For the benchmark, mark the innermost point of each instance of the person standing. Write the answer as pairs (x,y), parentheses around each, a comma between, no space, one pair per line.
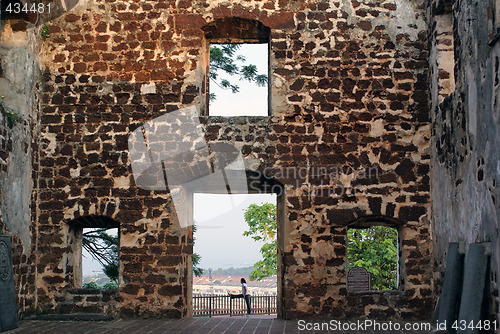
(244,294)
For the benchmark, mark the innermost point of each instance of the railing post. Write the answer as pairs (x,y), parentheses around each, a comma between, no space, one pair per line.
(210,306)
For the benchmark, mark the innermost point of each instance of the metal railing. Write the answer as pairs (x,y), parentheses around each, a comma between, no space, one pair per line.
(213,305)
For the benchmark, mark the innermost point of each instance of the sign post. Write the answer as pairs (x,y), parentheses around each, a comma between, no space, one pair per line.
(8,309)
(358,280)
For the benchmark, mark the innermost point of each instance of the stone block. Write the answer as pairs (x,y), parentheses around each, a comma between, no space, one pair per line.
(447,307)
(475,268)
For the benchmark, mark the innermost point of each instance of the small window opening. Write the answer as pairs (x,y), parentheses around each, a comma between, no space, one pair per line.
(100,248)
(494,19)
(238,79)
(374,249)
(445,54)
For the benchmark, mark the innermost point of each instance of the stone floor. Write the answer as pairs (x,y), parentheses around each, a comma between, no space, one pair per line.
(227,325)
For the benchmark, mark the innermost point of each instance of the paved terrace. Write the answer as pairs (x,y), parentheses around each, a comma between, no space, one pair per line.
(226,325)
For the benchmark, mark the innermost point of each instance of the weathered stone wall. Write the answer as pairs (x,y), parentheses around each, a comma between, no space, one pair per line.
(349,91)
(466,152)
(90,301)
(19,71)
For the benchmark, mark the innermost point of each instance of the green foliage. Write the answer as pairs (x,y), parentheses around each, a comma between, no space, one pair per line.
(45,31)
(9,116)
(197,271)
(268,265)
(111,270)
(110,286)
(261,220)
(375,249)
(223,58)
(90,285)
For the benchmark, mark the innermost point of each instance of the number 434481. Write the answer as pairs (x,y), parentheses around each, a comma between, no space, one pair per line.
(17,8)
(480,325)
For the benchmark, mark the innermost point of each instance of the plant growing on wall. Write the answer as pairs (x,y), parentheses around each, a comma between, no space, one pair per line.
(90,285)
(9,116)
(261,220)
(44,31)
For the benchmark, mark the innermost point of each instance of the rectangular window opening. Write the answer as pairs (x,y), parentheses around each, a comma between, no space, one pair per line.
(238,80)
(373,259)
(100,250)
(445,54)
(495,19)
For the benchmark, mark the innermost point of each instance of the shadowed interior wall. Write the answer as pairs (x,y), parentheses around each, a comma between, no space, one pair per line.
(19,83)
(465,167)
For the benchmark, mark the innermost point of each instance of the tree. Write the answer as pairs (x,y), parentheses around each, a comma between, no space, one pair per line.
(223,58)
(197,271)
(375,249)
(261,220)
(103,247)
(242,272)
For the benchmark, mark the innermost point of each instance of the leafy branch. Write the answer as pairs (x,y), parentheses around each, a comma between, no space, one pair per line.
(223,58)
(104,249)
(261,221)
(197,271)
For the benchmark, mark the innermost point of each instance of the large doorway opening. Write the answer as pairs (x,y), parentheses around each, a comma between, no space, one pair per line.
(235,237)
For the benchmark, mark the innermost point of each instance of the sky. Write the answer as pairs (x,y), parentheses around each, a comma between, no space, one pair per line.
(219,238)
(251,100)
